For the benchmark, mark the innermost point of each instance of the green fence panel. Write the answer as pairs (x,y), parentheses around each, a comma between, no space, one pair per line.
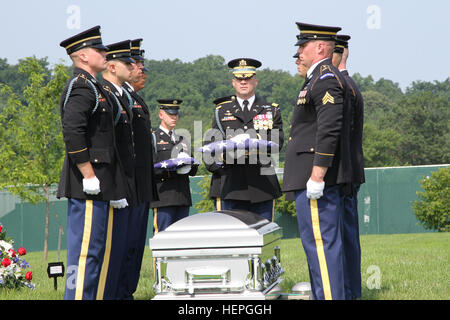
(385,200)
(385,207)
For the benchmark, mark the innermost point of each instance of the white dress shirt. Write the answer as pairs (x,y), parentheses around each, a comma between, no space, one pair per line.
(167,132)
(311,69)
(118,88)
(250,102)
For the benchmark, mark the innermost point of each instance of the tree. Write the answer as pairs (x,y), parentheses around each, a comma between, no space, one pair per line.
(433,207)
(206,204)
(422,118)
(31,151)
(380,146)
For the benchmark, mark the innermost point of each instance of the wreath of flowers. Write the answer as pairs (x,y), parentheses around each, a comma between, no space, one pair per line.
(13,267)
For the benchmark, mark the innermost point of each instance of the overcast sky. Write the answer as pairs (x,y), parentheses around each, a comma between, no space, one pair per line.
(399,40)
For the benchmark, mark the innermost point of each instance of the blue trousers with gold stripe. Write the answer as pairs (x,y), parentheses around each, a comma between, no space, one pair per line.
(136,240)
(87,222)
(265,209)
(352,247)
(165,216)
(320,226)
(218,203)
(115,251)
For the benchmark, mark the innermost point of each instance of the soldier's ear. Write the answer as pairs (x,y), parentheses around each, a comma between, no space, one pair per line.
(112,67)
(82,55)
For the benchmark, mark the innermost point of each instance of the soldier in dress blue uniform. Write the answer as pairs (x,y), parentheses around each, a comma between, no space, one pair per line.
(92,174)
(173,186)
(352,247)
(214,188)
(146,190)
(317,161)
(120,65)
(247,183)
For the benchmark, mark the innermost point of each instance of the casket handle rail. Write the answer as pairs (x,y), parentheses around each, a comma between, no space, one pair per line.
(219,276)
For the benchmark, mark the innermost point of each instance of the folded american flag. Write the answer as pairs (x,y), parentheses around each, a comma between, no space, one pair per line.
(229,145)
(175,163)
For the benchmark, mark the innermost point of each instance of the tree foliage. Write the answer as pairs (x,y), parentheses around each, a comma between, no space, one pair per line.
(31,149)
(433,205)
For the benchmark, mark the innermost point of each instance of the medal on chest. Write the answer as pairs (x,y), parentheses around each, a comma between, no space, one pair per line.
(302,97)
(263,121)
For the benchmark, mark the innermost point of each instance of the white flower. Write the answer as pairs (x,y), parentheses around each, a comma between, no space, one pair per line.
(6,245)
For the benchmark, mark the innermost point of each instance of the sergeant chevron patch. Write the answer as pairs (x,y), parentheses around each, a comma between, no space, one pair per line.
(327,98)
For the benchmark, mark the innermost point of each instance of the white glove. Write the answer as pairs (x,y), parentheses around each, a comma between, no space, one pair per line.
(314,190)
(118,204)
(240,137)
(91,185)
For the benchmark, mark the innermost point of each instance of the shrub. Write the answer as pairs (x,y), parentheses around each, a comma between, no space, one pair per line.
(433,206)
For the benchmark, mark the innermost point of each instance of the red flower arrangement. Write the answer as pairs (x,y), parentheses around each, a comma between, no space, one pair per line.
(12,268)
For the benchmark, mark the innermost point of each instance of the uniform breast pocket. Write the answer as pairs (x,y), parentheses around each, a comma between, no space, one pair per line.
(100,155)
(305,113)
(138,113)
(304,142)
(105,118)
(164,151)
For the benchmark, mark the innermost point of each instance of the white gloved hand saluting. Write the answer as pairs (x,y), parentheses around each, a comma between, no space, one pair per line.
(314,190)
(91,185)
(118,204)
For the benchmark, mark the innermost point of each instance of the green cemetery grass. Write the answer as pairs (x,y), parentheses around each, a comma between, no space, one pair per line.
(411,266)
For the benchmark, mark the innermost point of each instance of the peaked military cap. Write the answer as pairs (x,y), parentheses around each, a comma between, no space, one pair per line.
(341,43)
(144,69)
(315,32)
(171,106)
(136,52)
(120,51)
(244,67)
(222,100)
(88,38)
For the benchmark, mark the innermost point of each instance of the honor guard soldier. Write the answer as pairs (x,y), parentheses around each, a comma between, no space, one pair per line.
(146,190)
(247,185)
(173,186)
(341,43)
(214,188)
(352,247)
(318,159)
(120,65)
(92,174)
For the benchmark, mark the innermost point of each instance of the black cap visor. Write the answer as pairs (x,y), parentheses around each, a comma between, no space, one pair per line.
(172,111)
(99,46)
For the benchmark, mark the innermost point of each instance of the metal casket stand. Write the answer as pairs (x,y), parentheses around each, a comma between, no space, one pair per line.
(218,255)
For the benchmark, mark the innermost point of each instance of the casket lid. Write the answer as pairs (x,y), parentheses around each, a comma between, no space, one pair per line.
(216,229)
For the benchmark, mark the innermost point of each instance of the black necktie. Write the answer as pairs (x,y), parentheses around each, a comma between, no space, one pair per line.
(246,110)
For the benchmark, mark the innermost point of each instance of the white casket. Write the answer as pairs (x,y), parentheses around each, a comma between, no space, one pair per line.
(218,255)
